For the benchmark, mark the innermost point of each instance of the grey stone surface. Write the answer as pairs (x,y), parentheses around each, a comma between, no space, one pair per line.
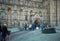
(38,36)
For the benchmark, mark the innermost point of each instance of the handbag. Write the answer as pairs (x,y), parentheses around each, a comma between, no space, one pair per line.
(8,33)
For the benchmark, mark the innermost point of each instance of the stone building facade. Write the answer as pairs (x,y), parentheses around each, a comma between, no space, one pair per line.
(15,13)
(53,11)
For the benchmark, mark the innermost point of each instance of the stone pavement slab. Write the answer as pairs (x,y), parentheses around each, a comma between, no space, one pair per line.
(13,29)
(38,36)
(13,36)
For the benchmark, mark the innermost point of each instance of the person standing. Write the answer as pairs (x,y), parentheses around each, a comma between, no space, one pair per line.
(30,27)
(42,26)
(25,26)
(4,32)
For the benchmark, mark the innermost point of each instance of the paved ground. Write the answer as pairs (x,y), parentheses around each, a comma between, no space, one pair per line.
(35,36)
(13,29)
(13,36)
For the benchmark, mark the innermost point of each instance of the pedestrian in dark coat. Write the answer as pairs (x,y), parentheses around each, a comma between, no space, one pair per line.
(4,32)
(35,24)
(25,26)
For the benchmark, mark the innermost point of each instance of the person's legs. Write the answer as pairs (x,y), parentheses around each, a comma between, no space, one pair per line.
(3,38)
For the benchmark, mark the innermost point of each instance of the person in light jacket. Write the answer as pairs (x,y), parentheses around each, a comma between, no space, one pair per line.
(42,26)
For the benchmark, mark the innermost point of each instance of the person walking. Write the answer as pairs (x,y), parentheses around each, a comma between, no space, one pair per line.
(4,32)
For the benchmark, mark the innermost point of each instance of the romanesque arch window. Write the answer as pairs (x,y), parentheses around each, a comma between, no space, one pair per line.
(3,1)
(0,6)
(31,4)
(8,1)
(13,1)
(9,9)
(26,17)
(19,0)
(21,10)
(40,12)
(15,7)
(3,15)
(39,5)
(15,16)
(31,11)
(24,3)
(3,6)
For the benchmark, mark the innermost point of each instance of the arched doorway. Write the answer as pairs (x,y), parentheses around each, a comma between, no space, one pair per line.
(37,18)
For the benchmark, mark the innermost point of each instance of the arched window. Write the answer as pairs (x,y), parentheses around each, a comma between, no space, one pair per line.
(9,9)
(0,6)
(3,15)
(8,0)
(3,6)
(15,16)
(13,1)
(15,7)
(31,11)
(3,1)
(24,3)
(21,10)
(31,4)
(26,17)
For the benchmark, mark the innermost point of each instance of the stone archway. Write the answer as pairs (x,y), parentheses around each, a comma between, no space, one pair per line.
(37,18)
